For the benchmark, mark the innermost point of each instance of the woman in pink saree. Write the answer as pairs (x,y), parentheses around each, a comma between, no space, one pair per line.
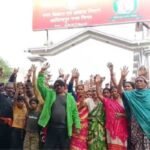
(116,122)
(79,141)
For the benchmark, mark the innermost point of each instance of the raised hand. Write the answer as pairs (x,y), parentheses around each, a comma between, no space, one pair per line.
(110,66)
(99,79)
(98,82)
(29,73)
(124,72)
(142,71)
(66,77)
(91,80)
(16,70)
(45,67)
(75,73)
(33,68)
(61,73)
(81,82)
(86,85)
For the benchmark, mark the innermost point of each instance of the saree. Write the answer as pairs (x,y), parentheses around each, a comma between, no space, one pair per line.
(97,134)
(79,141)
(139,103)
(116,128)
(137,106)
(138,140)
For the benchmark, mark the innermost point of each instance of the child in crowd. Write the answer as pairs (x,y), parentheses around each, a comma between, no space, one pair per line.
(34,105)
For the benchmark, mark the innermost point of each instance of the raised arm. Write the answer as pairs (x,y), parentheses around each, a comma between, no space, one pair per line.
(77,78)
(91,81)
(48,78)
(98,83)
(41,80)
(112,74)
(16,93)
(26,99)
(124,73)
(13,76)
(73,79)
(28,80)
(61,74)
(35,89)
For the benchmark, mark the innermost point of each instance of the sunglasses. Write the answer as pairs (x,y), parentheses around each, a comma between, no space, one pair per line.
(57,85)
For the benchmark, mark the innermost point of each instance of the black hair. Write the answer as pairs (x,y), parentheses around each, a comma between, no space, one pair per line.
(106,89)
(129,82)
(112,88)
(33,100)
(59,82)
(20,98)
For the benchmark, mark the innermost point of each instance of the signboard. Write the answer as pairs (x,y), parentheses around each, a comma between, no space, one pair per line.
(56,14)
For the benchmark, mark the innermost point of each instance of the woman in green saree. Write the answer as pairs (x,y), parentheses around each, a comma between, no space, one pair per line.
(97,134)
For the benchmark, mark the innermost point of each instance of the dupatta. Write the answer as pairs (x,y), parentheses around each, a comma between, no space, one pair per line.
(139,103)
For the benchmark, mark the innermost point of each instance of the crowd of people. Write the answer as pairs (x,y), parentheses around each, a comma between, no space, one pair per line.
(75,115)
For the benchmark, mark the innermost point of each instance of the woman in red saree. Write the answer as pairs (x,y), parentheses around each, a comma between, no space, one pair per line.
(79,141)
(116,122)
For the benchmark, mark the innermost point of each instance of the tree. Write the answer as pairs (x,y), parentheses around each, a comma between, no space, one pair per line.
(5,70)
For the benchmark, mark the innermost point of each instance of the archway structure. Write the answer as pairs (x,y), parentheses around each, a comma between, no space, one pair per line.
(141,50)
(89,34)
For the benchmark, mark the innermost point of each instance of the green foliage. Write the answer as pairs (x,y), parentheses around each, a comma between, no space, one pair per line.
(6,70)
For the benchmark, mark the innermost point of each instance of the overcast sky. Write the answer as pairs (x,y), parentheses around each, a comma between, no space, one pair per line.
(90,57)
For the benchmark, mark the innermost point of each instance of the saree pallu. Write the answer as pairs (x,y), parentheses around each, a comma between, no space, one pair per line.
(97,134)
(79,141)
(116,128)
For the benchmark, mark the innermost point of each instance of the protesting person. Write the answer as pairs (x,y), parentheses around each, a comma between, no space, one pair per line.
(59,113)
